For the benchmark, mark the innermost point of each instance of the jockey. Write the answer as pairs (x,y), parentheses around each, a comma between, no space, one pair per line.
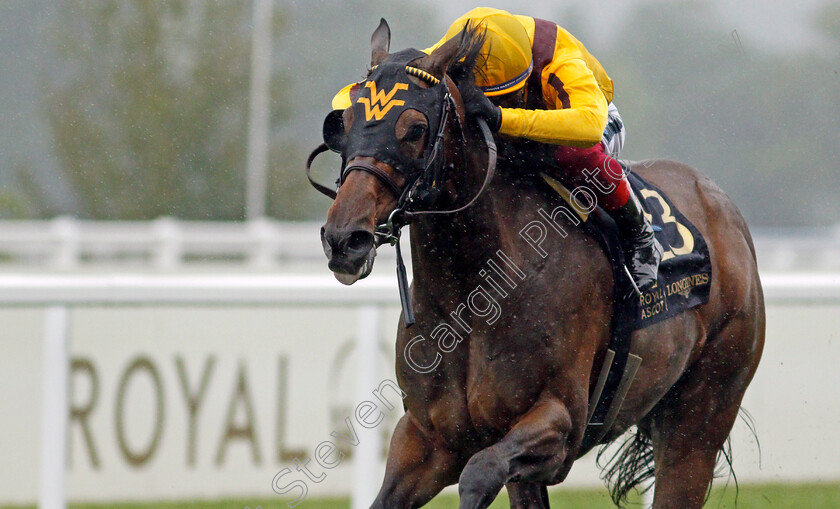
(567,99)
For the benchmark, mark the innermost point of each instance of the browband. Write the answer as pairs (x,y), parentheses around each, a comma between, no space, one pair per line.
(420,73)
(423,75)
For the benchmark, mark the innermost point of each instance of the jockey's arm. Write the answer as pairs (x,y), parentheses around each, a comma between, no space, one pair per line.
(580,113)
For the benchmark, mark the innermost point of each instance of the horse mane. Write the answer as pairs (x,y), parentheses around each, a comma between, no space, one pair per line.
(469,58)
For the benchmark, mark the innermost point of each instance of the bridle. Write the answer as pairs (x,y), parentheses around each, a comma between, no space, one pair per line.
(420,190)
(435,164)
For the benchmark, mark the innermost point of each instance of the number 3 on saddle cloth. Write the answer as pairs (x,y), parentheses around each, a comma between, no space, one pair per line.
(685,274)
(684,280)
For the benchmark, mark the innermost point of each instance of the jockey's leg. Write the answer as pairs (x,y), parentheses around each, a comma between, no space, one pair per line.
(603,175)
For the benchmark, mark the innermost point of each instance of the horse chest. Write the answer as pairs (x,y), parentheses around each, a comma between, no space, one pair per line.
(461,408)
(500,388)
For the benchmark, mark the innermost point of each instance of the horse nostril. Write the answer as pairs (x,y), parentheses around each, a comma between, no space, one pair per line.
(360,241)
(326,244)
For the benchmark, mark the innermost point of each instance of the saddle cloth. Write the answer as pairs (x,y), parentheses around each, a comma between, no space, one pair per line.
(684,280)
(685,274)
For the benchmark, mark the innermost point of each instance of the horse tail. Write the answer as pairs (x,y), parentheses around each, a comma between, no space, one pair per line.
(631,465)
(628,467)
(723,463)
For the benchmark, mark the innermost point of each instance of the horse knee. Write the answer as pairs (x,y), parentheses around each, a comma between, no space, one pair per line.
(538,446)
(482,479)
(536,449)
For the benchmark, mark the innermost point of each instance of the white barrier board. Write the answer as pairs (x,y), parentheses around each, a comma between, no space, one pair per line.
(185,402)
(173,402)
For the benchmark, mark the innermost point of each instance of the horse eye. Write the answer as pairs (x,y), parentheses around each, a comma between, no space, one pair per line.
(415,132)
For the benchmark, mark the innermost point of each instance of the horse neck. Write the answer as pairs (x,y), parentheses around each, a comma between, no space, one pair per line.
(452,251)
(450,245)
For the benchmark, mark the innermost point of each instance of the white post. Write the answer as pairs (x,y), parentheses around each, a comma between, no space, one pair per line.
(66,231)
(258,117)
(366,456)
(263,252)
(54,417)
(167,252)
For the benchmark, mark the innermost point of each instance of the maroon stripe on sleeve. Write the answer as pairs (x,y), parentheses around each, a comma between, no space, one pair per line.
(545,38)
(555,82)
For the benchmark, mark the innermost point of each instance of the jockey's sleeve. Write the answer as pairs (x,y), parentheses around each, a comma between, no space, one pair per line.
(577,113)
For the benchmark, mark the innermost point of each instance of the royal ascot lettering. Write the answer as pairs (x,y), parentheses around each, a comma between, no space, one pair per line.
(653,302)
(330,453)
(197,384)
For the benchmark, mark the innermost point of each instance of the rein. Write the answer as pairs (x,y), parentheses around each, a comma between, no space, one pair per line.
(402,215)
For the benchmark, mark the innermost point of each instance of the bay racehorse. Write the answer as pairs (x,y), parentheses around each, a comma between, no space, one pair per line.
(506,402)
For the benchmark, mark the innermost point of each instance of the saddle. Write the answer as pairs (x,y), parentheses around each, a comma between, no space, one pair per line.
(684,280)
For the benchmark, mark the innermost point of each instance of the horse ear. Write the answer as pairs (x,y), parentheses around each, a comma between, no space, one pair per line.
(380,41)
(439,60)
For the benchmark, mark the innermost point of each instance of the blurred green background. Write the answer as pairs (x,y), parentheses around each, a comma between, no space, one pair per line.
(134,109)
(811,496)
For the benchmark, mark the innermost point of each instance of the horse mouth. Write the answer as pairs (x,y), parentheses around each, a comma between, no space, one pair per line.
(348,276)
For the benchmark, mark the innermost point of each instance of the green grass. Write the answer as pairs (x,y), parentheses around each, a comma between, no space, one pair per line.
(775,496)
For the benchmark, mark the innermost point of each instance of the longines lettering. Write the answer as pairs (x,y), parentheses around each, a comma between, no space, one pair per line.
(685,285)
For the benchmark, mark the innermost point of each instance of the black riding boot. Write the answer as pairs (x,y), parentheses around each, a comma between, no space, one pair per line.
(642,251)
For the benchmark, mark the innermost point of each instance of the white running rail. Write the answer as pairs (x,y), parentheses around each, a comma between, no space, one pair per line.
(166,244)
(60,294)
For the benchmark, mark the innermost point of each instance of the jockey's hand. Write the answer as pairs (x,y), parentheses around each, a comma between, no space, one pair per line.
(477,104)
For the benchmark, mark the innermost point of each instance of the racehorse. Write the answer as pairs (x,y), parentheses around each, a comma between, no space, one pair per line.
(504,401)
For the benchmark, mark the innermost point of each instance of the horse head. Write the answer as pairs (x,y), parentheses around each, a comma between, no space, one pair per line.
(398,139)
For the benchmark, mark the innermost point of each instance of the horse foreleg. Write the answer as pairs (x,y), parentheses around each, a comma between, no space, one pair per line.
(526,495)
(416,470)
(534,450)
